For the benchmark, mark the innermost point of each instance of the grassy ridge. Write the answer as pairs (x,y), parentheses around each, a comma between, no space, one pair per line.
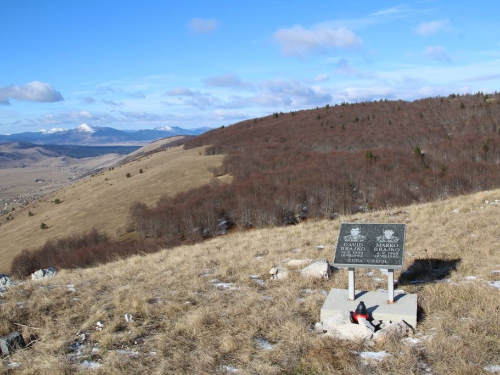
(184,323)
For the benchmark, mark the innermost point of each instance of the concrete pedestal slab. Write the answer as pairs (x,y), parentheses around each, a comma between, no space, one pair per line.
(403,308)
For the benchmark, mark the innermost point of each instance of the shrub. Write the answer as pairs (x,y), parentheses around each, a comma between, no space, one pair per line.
(43,226)
(128,175)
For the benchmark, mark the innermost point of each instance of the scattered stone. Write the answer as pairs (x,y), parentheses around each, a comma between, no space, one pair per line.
(298,263)
(44,273)
(342,327)
(317,270)
(10,343)
(129,318)
(99,326)
(373,357)
(279,273)
(389,329)
(71,288)
(366,323)
(5,282)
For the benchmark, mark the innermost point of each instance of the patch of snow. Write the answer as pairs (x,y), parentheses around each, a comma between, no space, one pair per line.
(223,286)
(130,353)
(84,128)
(51,131)
(262,343)
(456,211)
(492,368)
(259,258)
(164,128)
(320,247)
(90,365)
(494,284)
(230,369)
(369,273)
(258,280)
(471,278)
(71,288)
(495,271)
(14,365)
(384,271)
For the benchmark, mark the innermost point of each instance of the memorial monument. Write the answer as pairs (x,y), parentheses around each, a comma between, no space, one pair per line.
(371,246)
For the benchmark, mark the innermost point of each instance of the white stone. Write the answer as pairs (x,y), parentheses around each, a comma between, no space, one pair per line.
(318,270)
(351,332)
(279,273)
(43,273)
(298,263)
(129,318)
(366,323)
(399,329)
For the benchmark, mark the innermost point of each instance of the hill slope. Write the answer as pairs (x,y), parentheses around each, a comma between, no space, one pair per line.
(199,309)
(103,200)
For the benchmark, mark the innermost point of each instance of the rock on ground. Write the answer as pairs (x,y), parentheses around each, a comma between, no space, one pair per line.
(279,273)
(399,330)
(298,263)
(341,327)
(10,343)
(317,270)
(43,273)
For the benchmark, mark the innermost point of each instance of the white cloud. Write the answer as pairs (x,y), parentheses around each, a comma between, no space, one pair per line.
(433,27)
(437,53)
(322,78)
(344,68)
(203,26)
(298,41)
(32,92)
(112,103)
(181,91)
(224,80)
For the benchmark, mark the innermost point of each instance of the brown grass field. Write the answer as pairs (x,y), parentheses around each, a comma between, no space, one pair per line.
(103,200)
(184,323)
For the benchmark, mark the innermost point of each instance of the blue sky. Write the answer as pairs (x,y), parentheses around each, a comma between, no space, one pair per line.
(143,64)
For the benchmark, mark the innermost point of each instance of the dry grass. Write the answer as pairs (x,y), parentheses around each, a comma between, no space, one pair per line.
(103,201)
(184,324)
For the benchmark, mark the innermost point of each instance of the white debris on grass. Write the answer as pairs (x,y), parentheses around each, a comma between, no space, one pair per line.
(14,365)
(259,258)
(493,368)
(320,247)
(456,211)
(129,318)
(99,326)
(262,343)
(384,271)
(495,271)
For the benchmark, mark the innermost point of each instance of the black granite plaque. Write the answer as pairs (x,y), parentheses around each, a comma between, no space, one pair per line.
(370,246)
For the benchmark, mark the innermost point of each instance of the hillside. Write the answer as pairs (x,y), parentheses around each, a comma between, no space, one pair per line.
(103,200)
(203,309)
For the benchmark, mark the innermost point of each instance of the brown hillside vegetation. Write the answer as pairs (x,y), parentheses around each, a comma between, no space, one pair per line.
(342,159)
(186,322)
(103,200)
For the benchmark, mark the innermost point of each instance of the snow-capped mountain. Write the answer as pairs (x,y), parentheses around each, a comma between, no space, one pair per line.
(86,134)
(51,131)
(84,128)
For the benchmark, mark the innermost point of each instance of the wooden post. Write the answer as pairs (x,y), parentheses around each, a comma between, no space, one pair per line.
(351,284)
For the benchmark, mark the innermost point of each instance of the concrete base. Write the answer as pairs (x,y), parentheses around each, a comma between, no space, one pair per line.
(403,308)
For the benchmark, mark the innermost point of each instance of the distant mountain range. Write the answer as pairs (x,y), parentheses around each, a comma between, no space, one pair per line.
(94,135)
